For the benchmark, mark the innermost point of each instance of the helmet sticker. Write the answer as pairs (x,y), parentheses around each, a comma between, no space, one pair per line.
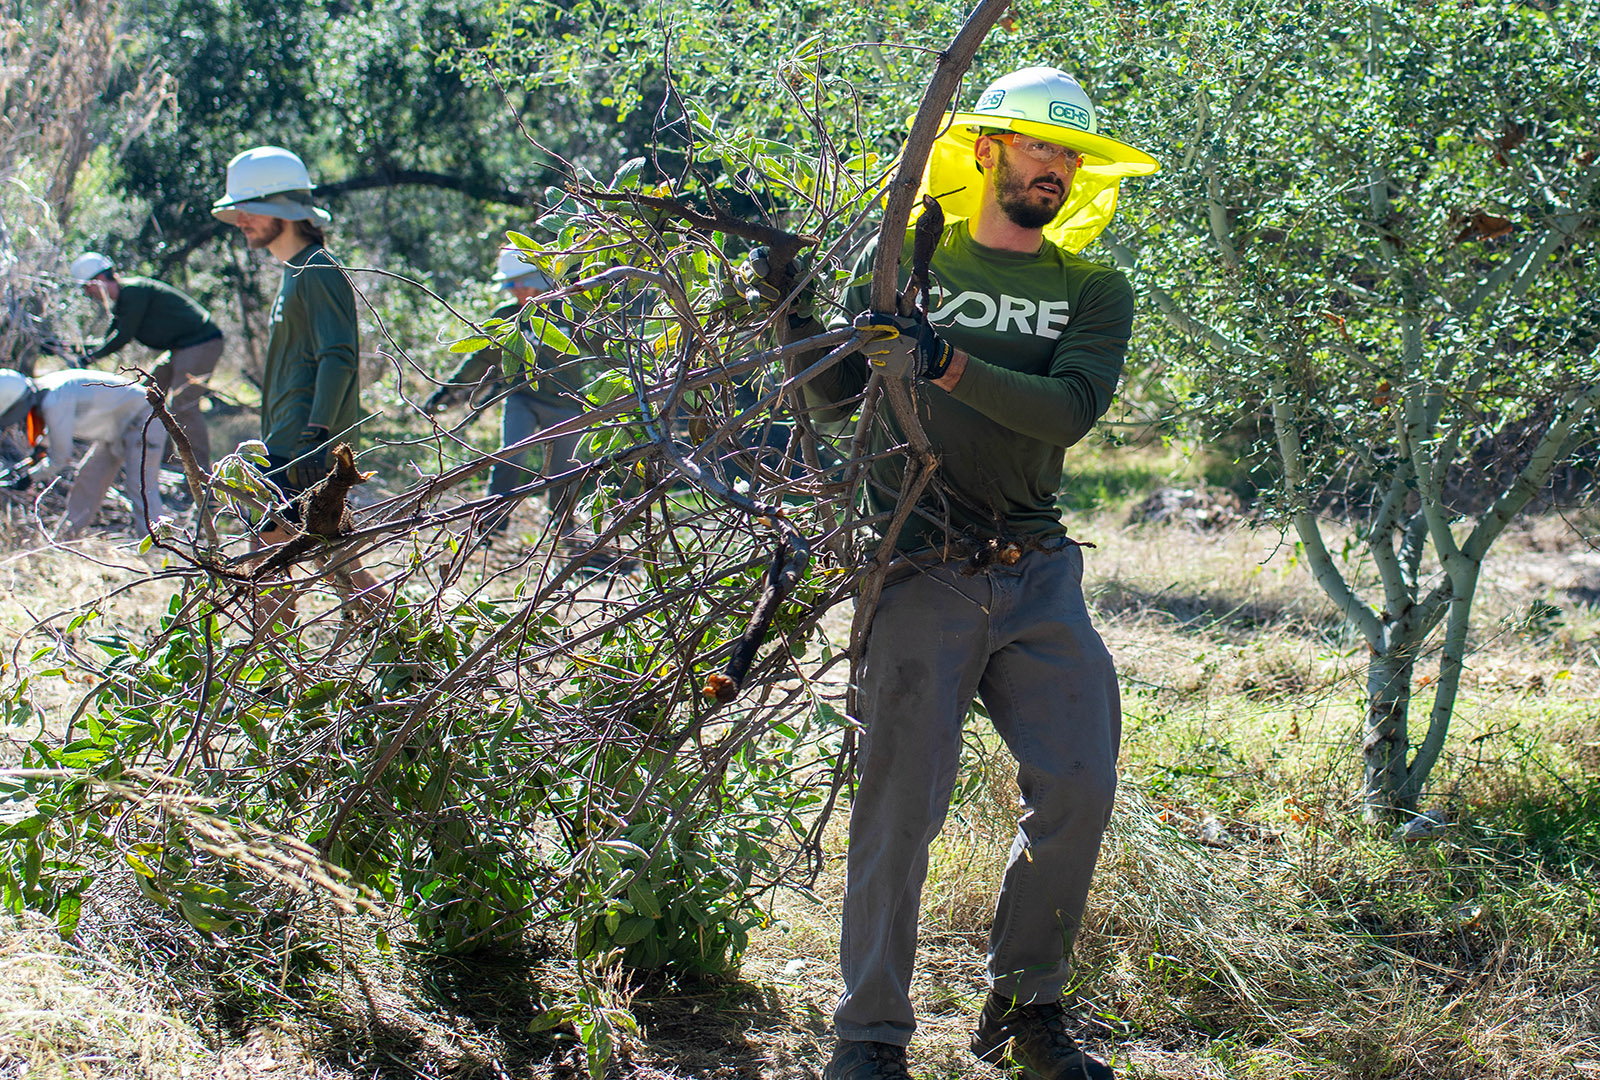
(1065,112)
(991,100)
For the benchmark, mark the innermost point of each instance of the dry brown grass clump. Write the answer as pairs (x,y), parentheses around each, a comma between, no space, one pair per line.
(67,1014)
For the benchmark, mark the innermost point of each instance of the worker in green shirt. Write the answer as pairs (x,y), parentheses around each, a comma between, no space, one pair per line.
(167,320)
(310,383)
(1016,358)
(534,399)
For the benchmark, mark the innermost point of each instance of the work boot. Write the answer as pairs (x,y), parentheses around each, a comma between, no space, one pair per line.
(1035,1039)
(866,1061)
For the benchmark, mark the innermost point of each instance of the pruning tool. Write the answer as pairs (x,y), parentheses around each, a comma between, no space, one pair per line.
(18,474)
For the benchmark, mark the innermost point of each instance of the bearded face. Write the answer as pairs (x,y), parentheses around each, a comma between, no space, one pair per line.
(259,230)
(1029,194)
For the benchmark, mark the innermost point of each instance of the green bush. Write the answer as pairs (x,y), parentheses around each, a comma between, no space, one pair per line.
(198,759)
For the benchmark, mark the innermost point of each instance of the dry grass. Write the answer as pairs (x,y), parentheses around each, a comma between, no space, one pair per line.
(67,1014)
(41,578)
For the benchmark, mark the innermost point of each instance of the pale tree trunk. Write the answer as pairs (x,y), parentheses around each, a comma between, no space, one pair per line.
(1386,742)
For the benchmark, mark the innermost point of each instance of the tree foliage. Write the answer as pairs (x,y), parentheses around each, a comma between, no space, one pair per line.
(1379,240)
(419,165)
(57,61)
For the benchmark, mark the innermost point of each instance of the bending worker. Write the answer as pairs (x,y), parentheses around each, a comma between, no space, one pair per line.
(310,384)
(109,412)
(1017,358)
(534,397)
(163,318)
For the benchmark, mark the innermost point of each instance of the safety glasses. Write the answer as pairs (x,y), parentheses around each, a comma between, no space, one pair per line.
(1037,149)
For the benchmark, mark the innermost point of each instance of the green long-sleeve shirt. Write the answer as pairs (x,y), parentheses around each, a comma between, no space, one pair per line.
(1046,335)
(312,373)
(155,315)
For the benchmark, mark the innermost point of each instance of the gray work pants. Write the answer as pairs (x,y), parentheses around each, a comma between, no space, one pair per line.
(183,376)
(136,453)
(523,416)
(1020,636)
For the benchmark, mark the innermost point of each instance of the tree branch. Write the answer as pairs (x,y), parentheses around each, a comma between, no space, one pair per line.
(1390,565)
(925,128)
(1552,446)
(485,190)
(179,255)
(1532,254)
(1451,664)
(1305,523)
(784,245)
(1127,259)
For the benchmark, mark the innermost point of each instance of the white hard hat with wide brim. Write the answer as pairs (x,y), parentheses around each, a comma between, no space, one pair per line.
(272,181)
(514,269)
(952,173)
(288,205)
(88,266)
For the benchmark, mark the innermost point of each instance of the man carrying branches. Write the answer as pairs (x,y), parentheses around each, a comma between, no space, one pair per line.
(1017,359)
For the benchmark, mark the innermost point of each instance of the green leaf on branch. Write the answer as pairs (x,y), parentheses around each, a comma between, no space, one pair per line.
(547,333)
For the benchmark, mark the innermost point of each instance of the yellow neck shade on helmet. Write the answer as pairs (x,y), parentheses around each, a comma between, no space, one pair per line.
(1046,104)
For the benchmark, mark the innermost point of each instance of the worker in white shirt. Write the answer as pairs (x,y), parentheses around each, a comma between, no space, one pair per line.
(107,411)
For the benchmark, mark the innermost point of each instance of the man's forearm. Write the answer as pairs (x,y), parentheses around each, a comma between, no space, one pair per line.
(114,342)
(791,329)
(1057,409)
(953,373)
(825,394)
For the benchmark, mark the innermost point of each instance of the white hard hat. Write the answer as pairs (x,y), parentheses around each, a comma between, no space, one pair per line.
(514,269)
(272,181)
(1047,104)
(17,394)
(88,266)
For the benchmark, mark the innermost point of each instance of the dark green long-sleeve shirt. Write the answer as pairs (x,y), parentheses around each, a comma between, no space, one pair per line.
(312,372)
(1046,334)
(155,315)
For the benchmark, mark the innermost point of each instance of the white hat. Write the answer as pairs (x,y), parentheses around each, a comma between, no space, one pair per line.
(18,394)
(514,269)
(272,181)
(1047,104)
(88,266)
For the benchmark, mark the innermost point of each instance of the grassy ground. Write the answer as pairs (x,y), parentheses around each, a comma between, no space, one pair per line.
(1245,923)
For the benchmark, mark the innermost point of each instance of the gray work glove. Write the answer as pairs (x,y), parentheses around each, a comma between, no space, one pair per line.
(764,285)
(907,347)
